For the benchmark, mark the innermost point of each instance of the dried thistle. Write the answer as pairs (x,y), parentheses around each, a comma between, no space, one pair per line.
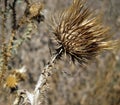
(11,82)
(33,11)
(14,78)
(79,33)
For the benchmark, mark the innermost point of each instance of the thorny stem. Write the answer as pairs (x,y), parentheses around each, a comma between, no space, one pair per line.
(42,81)
(14,21)
(14,14)
(4,66)
(45,71)
(3,22)
(14,27)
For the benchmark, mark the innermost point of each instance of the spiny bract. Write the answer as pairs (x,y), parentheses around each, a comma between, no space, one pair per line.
(79,33)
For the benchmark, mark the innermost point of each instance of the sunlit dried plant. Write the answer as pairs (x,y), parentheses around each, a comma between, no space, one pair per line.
(14,78)
(33,11)
(11,82)
(79,33)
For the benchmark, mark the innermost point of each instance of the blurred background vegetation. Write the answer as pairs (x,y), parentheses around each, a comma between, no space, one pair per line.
(96,84)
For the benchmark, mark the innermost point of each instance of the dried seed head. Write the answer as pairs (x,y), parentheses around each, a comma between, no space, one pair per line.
(79,33)
(33,12)
(35,8)
(14,78)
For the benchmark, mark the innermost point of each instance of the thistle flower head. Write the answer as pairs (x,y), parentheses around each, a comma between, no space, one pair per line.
(14,78)
(11,82)
(79,33)
(34,9)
